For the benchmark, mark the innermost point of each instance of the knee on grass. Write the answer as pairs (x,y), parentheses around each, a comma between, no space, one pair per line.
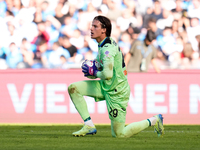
(117,130)
(118,135)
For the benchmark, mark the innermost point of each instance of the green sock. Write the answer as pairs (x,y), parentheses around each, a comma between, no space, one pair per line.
(87,119)
(80,105)
(135,128)
(149,122)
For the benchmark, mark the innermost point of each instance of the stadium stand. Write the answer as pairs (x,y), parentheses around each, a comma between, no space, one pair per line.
(30,29)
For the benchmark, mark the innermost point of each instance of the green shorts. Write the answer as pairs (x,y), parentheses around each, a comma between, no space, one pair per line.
(116,102)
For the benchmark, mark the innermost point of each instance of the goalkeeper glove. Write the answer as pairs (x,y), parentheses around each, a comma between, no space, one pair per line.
(89,68)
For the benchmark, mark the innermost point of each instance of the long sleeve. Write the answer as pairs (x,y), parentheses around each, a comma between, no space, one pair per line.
(107,72)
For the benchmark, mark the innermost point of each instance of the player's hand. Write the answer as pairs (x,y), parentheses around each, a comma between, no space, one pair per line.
(89,68)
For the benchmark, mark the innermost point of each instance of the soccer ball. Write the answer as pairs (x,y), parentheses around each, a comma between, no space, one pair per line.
(92,64)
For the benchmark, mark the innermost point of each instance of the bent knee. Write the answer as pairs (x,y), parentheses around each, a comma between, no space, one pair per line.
(72,89)
(119,135)
(118,129)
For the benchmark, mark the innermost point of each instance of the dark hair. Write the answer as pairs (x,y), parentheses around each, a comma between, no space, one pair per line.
(156,1)
(152,19)
(62,56)
(188,50)
(12,43)
(42,41)
(57,43)
(175,21)
(80,10)
(150,35)
(45,2)
(65,37)
(10,12)
(24,39)
(40,22)
(105,23)
(136,30)
(167,28)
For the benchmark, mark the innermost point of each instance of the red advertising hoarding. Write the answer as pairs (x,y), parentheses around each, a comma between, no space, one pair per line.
(41,96)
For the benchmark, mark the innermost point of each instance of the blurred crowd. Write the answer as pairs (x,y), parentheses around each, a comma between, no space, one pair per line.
(56,33)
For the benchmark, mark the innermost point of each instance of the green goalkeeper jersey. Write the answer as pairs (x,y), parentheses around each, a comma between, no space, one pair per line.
(113,75)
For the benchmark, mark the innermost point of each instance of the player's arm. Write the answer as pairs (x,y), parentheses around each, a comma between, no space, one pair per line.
(107,72)
(154,63)
(90,70)
(130,53)
(153,60)
(108,63)
(127,58)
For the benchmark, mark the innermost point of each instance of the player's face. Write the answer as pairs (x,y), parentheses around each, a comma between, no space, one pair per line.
(97,32)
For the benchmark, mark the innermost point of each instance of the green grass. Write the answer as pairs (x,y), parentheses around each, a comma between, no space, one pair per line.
(58,137)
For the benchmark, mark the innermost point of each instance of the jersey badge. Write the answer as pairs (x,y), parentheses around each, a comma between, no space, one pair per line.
(107,54)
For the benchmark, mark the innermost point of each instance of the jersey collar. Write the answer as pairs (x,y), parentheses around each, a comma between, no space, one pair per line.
(101,43)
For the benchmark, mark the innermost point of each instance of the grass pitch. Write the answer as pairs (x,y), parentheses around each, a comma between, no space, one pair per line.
(58,137)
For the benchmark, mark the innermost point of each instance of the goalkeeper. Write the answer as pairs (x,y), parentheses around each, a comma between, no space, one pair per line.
(113,86)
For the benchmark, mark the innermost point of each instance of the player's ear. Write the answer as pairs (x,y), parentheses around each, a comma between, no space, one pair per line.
(103,30)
